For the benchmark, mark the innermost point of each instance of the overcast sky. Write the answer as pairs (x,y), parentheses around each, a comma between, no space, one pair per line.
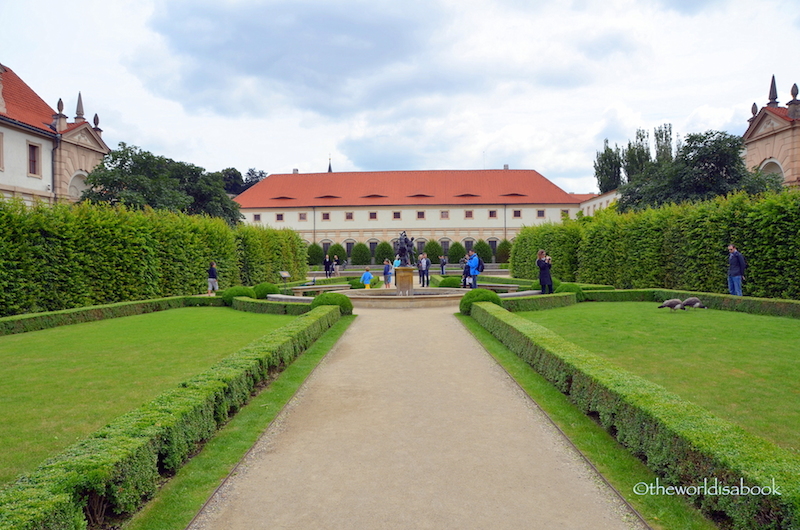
(388,85)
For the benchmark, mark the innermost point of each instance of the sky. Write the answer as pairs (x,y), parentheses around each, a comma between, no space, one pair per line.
(384,85)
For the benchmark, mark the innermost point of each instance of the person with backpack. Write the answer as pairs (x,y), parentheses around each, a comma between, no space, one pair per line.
(475,267)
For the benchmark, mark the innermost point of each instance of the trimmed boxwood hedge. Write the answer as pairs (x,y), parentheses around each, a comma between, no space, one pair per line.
(263,306)
(477,295)
(538,302)
(680,441)
(118,467)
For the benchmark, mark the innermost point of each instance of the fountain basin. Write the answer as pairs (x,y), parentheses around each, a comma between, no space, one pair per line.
(389,299)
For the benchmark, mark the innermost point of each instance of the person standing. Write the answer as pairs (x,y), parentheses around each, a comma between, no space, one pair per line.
(366,278)
(424,265)
(545,280)
(387,273)
(442,263)
(472,264)
(213,285)
(328,264)
(336,264)
(465,277)
(736,267)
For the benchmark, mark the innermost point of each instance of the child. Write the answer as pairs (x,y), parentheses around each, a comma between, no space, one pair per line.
(387,273)
(366,278)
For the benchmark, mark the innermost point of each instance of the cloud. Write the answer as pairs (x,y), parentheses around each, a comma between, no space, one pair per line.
(688,7)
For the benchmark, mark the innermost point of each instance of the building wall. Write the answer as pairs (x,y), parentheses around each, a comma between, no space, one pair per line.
(15,181)
(76,158)
(598,203)
(781,147)
(432,226)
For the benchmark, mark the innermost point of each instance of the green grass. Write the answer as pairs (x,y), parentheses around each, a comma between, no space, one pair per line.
(182,497)
(741,367)
(61,384)
(616,464)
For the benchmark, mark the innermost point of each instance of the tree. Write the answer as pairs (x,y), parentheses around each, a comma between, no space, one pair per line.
(433,249)
(315,254)
(233,181)
(483,250)
(360,254)
(636,156)
(337,250)
(456,252)
(663,138)
(608,168)
(253,177)
(137,178)
(503,251)
(384,251)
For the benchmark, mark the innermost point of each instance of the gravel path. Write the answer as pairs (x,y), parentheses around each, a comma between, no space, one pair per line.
(408,423)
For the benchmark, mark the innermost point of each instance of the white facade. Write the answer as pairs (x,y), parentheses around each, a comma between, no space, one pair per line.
(26,164)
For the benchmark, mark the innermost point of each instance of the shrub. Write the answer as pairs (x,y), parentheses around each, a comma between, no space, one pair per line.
(503,253)
(383,251)
(315,254)
(238,290)
(572,288)
(456,252)
(360,254)
(478,295)
(483,250)
(337,250)
(450,281)
(433,249)
(344,303)
(263,289)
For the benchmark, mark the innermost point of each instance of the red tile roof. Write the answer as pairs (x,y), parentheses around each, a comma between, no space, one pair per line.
(399,188)
(22,103)
(781,112)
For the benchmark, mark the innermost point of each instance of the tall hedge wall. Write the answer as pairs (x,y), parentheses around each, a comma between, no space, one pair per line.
(65,256)
(676,246)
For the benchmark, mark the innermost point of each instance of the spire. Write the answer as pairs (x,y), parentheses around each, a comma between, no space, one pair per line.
(79,111)
(330,170)
(773,94)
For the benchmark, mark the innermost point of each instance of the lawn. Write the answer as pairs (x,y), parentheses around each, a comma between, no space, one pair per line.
(61,384)
(743,368)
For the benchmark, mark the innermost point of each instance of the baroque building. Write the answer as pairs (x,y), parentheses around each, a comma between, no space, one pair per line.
(43,156)
(438,205)
(772,140)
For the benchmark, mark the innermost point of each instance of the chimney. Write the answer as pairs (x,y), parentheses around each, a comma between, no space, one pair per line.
(505,166)
(2,101)
(295,171)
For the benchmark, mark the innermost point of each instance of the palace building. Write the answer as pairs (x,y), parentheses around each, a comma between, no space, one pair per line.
(440,205)
(772,140)
(43,156)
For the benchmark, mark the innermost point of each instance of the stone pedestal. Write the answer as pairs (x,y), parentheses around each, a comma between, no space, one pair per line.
(404,280)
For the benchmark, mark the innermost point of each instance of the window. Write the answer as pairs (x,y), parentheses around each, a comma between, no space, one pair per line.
(421,214)
(325,246)
(420,246)
(492,214)
(493,246)
(326,216)
(467,214)
(348,216)
(565,213)
(517,214)
(444,214)
(468,244)
(278,217)
(445,246)
(256,217)
(373,216)
(302,216)
(34,160)
(396,215)
(349,245)
(372,246)
(540,214)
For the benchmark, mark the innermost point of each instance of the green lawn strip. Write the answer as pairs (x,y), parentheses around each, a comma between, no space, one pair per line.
(179,500)
(741,367)
(616,464)
(61,384)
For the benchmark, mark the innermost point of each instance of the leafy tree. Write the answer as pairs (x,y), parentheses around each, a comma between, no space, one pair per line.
(483,250)
(233,181)
(433,249)
(503,251)
(253,177)
(315,254)
(360,254)
(608,168)
(456,252)
(384,251)
(136,178)
(636,156)
(663,139)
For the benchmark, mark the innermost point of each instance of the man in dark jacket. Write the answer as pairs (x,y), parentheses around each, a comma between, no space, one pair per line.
(736,267)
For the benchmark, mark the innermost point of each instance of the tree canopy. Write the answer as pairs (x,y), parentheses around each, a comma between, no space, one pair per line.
(137,178)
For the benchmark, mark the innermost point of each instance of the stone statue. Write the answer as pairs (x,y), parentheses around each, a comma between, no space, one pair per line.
(405,249)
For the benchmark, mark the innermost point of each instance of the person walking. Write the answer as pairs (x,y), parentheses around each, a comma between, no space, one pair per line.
(736,268)
(472,264)
(366,278)
(336,264)
(213,284)
(543,261)
(442,263)
(387,273)
(327,263)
